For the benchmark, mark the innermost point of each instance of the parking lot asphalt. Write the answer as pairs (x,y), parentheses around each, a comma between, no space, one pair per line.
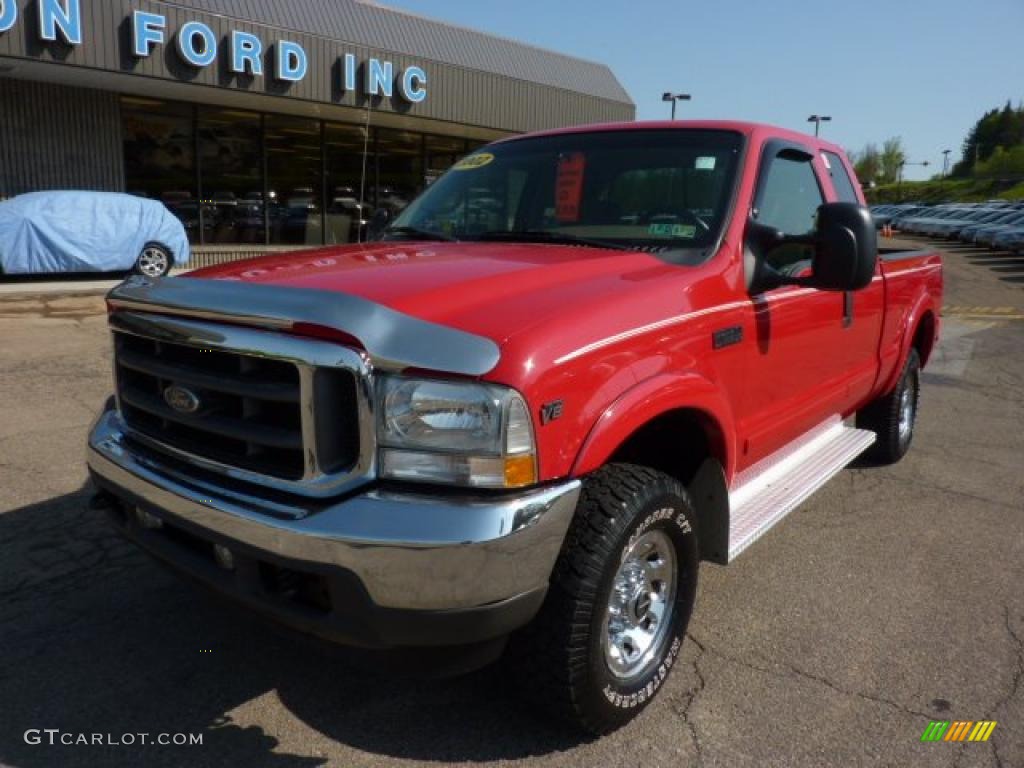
(892,597)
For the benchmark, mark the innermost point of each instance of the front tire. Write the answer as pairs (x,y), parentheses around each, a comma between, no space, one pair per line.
(153,261)
(892,417)
(620,600)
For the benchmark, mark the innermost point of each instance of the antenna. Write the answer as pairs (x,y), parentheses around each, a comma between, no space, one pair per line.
(362,177)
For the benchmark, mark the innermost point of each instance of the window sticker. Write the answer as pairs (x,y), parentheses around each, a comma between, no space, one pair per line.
(705,163)
(684,231)
(824,158)
(473,162)
(569,186)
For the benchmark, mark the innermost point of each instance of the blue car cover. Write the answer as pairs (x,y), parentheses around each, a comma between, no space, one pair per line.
(84,232)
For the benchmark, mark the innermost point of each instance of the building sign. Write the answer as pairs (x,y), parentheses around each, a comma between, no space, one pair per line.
(245,53)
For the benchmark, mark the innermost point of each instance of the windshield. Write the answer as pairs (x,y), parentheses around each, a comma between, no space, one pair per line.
(663,191)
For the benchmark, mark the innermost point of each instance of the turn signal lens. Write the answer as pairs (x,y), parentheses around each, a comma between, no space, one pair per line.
(520,471)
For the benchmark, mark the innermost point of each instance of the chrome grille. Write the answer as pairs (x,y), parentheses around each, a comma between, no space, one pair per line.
(277,418)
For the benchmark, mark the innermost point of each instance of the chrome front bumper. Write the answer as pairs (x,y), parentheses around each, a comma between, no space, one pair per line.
(410,552)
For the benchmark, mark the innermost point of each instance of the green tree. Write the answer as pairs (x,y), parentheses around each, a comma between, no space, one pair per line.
(867,163)
(996,128)
(891,159)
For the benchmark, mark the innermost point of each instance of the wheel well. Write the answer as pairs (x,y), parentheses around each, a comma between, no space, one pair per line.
(676,443)
(688,445)
(924,337)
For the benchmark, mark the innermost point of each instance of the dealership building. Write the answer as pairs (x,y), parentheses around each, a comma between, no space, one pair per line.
(266,122)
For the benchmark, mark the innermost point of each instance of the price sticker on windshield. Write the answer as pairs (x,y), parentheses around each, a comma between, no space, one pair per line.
(569,186)
(471,163)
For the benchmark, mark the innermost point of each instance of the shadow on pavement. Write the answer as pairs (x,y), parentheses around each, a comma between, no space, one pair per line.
(96,638)
(63,277)
(1007,266)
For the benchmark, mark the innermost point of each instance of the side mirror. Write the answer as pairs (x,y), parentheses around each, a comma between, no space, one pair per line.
(845,248)
(378,223)
(841,252)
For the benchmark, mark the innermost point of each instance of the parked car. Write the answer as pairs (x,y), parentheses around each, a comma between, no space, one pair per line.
(911,223)
(44,232)
(1008,240)
(1002,218)
(887,214)
(1014,241)
(527,428)
(950,228)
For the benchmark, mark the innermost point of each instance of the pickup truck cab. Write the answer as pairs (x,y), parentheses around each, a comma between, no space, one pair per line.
(579,364)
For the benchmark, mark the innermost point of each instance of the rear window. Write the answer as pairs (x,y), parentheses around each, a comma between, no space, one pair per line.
(845,191)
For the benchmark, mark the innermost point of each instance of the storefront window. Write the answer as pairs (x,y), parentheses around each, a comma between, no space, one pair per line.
(159,151)
(399,168)
(264,179)
(347,188)
(231,176)
(294,180)
(441,154)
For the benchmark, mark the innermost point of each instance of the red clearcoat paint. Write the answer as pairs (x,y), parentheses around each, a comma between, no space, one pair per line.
(621,337)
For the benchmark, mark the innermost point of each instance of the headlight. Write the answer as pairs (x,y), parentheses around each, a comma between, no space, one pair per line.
(454,432)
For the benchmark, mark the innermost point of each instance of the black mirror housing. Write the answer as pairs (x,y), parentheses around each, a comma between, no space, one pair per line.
(845,248)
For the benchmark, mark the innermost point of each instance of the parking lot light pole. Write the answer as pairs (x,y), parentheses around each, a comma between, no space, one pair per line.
(818,120)
(674,97)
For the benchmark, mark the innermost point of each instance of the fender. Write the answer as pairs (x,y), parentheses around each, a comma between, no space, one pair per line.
(646,401)
(925,303)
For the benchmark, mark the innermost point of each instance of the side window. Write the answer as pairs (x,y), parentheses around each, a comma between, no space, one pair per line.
(789,201)
(841,182)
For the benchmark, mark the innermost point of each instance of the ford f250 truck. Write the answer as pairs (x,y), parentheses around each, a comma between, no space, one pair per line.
(579,364)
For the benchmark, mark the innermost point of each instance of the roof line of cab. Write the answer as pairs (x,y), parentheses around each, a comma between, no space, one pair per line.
(748,129)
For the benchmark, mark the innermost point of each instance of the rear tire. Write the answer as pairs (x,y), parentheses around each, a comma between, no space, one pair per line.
(621,597)
(154,261)
(892,417)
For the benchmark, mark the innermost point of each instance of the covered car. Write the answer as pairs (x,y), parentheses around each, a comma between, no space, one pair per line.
(89,232)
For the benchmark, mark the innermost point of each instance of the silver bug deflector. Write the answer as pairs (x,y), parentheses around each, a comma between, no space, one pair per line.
(392,340)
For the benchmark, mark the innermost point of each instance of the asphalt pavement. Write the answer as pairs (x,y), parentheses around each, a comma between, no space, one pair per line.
(893,597)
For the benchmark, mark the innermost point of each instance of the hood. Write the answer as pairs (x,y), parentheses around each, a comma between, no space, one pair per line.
(495,290)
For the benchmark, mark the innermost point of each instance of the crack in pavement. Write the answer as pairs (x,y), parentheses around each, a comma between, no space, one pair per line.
(796,671)
(683,708)
(1018,675)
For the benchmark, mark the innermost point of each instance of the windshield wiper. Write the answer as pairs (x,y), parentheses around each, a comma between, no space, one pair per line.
(546,236)
(421,234)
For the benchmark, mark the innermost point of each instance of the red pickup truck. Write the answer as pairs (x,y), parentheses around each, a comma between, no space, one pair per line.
(579,364)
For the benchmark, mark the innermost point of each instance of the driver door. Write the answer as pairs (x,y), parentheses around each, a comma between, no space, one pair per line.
(796,368)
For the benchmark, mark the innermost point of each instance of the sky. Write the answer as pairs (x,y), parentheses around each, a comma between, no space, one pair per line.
(923,70)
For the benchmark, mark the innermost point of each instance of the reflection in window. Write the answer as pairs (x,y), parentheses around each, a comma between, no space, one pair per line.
(159,152)
(347,213)
(294,180)
(442,152)
(791,196)
(232,177)
(399,168)
(272,179)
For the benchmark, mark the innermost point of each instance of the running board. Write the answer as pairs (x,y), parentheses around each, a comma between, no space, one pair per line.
(766,492)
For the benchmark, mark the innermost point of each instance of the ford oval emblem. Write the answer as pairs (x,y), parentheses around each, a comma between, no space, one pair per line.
(181,399)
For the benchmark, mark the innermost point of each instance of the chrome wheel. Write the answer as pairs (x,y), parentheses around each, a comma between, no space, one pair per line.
(640,605)
(907,401)
(153,261)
